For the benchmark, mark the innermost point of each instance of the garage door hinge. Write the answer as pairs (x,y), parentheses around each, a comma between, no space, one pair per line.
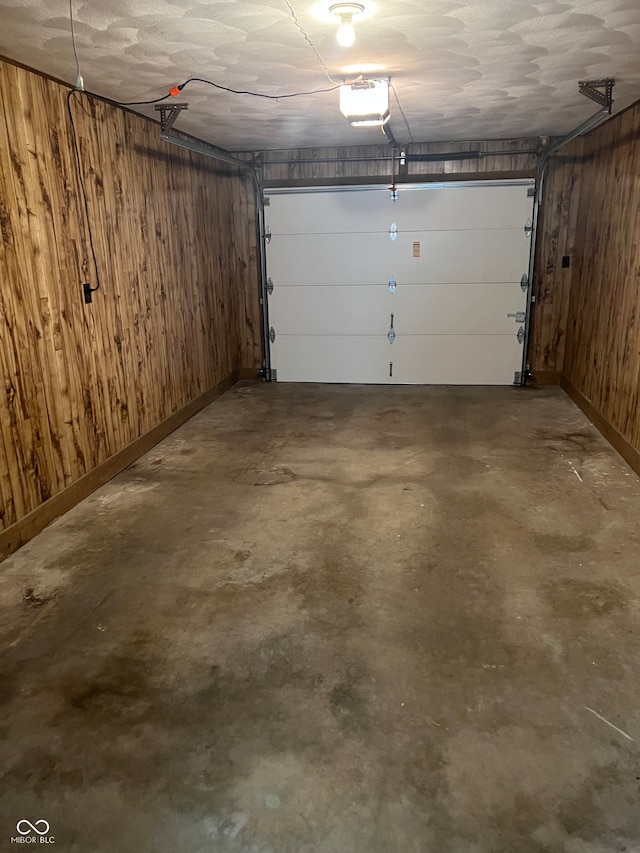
(524,282)
(528,228)
(517,378)
(272,335)
(273,373)
(267,235)
(269,286)
(520,335)
(391,334)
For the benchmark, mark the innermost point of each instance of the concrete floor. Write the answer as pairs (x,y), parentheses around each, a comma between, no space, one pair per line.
(335,620)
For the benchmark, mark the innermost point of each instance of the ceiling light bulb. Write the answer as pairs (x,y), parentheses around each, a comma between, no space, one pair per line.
(346,35)
(345,11)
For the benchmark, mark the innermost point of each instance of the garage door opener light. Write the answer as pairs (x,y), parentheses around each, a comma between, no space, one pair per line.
(365,103)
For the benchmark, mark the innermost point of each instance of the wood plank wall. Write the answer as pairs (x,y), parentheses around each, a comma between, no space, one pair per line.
(552,282)
(602,358)
(355,164)
(586,322)
(177,312)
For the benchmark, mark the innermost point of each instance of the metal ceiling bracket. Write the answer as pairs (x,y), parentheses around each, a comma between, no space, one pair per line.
(169,113)
(591,88)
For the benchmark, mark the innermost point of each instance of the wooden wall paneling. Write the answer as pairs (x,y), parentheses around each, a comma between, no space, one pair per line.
(176,315)
(552,282)
(620,259)
(12,476)
(603,347)
(104,332)
(237,236)
(344,164)
(93,337)
(8,270)
(249,309)
(68,367)
(31,524)
(24,363)
(512,162)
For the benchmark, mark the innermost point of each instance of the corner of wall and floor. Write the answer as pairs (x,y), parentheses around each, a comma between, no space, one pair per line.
(586,321)
(176,320)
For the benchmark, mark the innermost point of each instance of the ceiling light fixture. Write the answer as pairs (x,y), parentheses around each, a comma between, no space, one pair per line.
(365,103)
(346,35)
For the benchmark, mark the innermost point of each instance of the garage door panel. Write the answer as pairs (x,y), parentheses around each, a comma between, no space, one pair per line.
(366,309)
(458,259)
(332,358)
(445,257)
(411,360)
(449,208)
(457,359)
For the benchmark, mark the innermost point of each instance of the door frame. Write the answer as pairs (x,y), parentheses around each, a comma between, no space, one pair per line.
(531,184)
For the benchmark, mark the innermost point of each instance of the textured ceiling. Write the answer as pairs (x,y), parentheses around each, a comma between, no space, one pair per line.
(461,70)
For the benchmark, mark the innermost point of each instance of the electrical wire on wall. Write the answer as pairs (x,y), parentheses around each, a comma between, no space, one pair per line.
(172,93)
(79,80)
(395,95)
(76,149)
(177,89)
(308,39)
(79,90)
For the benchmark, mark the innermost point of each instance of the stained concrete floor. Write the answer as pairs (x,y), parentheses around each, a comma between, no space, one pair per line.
(335,620)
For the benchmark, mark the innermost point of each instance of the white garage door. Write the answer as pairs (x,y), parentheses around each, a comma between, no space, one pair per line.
(419,290)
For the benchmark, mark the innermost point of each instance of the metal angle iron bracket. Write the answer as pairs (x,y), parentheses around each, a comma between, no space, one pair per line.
(591,88)
(169,113)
